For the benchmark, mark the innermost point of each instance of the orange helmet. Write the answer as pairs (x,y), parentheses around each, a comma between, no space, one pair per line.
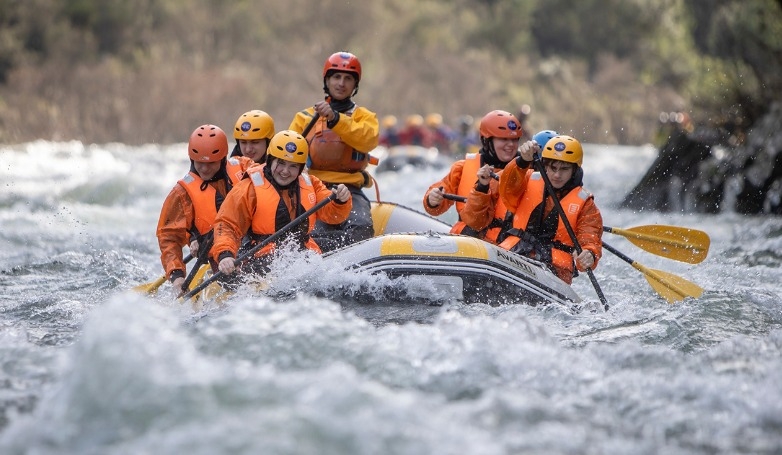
(343,61)
(208,144)
(501,124)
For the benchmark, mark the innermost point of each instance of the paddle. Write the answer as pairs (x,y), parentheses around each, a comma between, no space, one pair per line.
(458,198)
(295,222)
(310,125)
(454,197)
(673,242)
(671,287)
(150,288)
(552,192)
(203,258)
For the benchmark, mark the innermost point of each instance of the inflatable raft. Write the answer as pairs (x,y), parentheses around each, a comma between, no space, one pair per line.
(410,243)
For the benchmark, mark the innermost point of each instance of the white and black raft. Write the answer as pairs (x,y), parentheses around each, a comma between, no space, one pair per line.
(409,243)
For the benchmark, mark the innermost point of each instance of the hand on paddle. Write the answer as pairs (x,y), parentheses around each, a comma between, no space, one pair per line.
(194,248)
(341,192)
(226,265)
(177,285)
(528,150)
(323,108)
(435,197)
(585,260)
(485,174)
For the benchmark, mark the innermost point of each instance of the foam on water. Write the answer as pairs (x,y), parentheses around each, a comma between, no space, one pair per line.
(90,367)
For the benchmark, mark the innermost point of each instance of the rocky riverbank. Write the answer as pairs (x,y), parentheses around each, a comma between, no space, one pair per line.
(711,171)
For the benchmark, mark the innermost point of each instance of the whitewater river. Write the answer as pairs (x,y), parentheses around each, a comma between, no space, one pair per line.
(87,366)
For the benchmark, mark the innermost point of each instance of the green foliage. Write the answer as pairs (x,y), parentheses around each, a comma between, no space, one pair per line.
(615,63)
(503,26)
(589,28)
(744,42)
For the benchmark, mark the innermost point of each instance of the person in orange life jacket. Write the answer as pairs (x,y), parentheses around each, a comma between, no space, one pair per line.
(253,131)
(538,230)
(273,195)
(484,210)
(471,177)
(190,208)
(340,143)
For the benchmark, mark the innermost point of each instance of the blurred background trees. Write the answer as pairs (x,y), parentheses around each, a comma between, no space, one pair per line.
(138,71)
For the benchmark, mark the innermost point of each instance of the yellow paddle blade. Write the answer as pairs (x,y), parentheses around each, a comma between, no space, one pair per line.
(213,292)
(672,288)
(150,288)
(199,276)
(673,242)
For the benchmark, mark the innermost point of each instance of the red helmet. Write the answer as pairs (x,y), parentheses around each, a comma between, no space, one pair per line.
(501,124)
(343,61)
(208,144)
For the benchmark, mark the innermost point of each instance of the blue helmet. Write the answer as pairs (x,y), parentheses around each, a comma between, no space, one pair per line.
(541,137)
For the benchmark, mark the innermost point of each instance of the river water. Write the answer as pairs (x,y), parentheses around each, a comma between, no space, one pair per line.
(90,367)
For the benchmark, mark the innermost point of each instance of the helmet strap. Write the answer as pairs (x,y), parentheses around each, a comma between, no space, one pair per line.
(488,154)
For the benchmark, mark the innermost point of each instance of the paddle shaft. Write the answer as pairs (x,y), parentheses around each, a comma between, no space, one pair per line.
(553,193)
(458,198)
(310,125)
(295,222)
(618,253)
(454,197)
(203,257)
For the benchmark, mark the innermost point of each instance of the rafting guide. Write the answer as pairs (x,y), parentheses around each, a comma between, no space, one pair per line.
(340,139)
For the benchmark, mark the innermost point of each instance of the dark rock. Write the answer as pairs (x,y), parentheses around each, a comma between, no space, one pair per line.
(703,171)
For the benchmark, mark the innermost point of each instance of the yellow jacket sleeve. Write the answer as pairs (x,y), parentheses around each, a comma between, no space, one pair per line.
(360,130)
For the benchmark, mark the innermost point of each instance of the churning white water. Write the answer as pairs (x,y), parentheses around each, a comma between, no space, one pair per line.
(90,367)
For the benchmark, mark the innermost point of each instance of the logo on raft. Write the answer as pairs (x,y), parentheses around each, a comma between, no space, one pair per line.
(515,261)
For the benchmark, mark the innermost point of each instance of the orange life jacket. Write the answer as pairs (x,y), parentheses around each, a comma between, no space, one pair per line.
(472,163)
(204,202)
(265,222)
(329,153)
(571,204)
